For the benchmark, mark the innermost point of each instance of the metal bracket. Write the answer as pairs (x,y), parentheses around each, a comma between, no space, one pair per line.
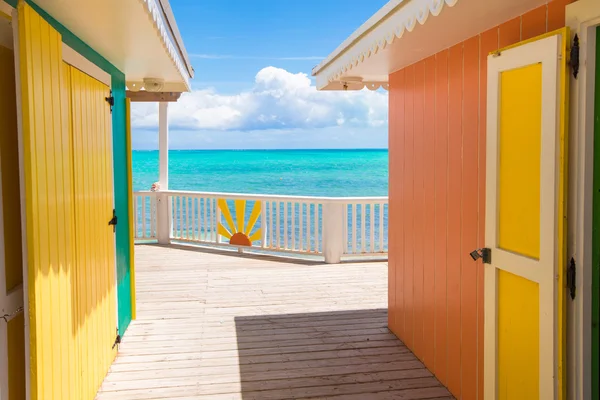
(574,57)
(114,220)
(571,278)
(111,101)
(117,341)
(485,254)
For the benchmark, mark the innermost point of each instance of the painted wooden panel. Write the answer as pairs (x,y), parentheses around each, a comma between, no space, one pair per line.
(16,357)
(451,298)
(469,217)
(520,152)
(518,338)
(488,43)
(428,309)
(49,210)
(9,158)
(93,188)
(596,233)
(534,23)
(441,216)
(453,284)
(11,220)
(408,204)
(418,207)
(70,246)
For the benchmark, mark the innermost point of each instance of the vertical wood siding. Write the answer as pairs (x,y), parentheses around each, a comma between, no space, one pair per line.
(437,124)
(71,272)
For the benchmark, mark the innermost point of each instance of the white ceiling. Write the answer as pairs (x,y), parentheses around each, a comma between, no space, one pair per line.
(453,25)
(124,33)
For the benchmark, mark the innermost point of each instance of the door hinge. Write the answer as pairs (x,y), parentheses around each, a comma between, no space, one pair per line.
(114,220)
(574,57)
(117,341)
(571,277)
(485,254)
(110,100)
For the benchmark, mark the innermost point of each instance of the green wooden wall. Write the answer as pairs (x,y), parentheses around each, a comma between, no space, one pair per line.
(119,158)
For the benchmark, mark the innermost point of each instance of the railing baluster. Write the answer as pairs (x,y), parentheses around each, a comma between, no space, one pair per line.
(300,226)
(184,233)
(293,204)
(203,227)
(308,236)
(363,241)
(135,216)
(144,234)
(354,228)
(380,228)
(153,217)
(372,228)
(316,227)
(345,228)
(272,224)
(277,217)
(285,225)
(263,224)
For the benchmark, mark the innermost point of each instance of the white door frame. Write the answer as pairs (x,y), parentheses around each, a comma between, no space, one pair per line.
(542,271)
(582,17)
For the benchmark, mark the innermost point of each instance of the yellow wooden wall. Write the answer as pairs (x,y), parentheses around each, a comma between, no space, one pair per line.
(68,186)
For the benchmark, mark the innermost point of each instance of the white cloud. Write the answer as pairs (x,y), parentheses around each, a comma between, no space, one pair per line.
(279,100)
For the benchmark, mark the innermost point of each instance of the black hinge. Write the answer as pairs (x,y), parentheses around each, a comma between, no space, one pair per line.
(113,221)
(110,100)
(571,277)
(117,341)
(574,57)
(485,254)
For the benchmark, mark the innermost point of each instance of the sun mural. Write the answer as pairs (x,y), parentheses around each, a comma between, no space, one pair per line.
(238,233)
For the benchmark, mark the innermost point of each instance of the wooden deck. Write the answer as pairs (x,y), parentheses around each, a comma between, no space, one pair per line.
(218,326)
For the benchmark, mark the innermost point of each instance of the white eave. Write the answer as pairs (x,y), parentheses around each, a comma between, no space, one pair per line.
(139,37)
(406,31)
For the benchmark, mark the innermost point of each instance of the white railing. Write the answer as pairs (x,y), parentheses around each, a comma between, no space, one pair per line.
(328,226)
(144,216)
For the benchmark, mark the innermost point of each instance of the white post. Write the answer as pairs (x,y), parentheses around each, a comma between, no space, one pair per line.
(163,145)
(163,217)
(333,231)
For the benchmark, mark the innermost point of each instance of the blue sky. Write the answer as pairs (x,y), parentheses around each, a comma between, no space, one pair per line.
(253,88)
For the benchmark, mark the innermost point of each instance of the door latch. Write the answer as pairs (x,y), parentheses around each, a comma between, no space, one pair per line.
(485,254)
(113,221)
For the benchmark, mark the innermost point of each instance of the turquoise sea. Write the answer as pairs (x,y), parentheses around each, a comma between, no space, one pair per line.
(333,173)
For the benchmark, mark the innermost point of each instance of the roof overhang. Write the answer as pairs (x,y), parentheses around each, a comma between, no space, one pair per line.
(139,37)
(406,31)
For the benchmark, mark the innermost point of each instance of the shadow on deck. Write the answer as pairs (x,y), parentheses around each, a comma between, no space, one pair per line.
(215,326)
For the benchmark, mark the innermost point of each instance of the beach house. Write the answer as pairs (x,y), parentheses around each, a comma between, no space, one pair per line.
(494,155)
(69,70)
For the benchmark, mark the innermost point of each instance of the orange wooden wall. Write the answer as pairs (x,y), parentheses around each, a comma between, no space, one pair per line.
(437,118)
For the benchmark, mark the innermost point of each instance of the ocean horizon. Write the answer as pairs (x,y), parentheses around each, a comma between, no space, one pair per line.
(293,172)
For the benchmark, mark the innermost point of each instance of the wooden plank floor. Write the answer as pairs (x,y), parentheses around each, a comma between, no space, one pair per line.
(217,326)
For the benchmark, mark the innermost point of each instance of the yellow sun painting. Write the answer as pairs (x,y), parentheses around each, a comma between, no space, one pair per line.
(239,233)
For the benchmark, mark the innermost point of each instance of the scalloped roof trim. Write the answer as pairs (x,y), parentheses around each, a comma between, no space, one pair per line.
(155,15)
(402,21)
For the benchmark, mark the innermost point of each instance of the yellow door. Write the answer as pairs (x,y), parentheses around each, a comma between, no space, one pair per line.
(12,335)
(93,188)
(525,210)
(67,171)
